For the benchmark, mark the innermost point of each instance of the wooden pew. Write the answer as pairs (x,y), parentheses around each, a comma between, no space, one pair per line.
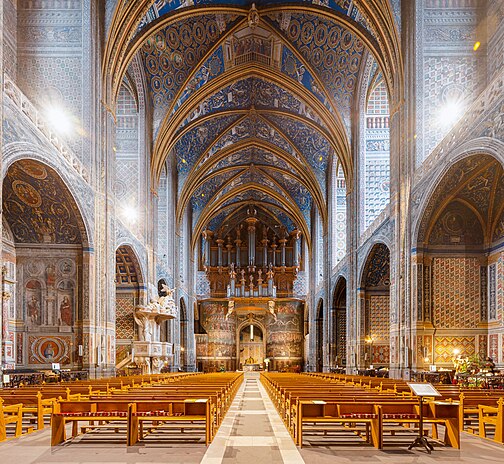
(11,414)
(322,412)
(185,413)
(33,404)
(84,410)
(492,415)
(182,404)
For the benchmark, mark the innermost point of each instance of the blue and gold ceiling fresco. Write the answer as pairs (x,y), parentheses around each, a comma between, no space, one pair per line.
(171,54)
(38,206)
(258,100)
(163,7)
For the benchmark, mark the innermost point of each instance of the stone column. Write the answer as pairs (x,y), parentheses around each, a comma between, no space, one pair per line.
(402,164)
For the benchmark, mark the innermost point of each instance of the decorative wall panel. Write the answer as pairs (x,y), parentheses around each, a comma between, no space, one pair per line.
(456,292)
(493,341)
(444,347)
(125,323)
(483,346)
(500,287)
(379,317)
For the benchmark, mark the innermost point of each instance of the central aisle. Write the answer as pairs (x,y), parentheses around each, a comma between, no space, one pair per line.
(252,431)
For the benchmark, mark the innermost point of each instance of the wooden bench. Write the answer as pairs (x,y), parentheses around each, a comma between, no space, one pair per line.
(188,404)
(494,416)
(182,414)
(33,404)
(11,414)
(322,412)
(99,413)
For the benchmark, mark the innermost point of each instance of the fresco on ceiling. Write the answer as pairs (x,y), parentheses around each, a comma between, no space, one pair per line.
(38,206)
(192,144)
(250,155)
(477,181)
(252,176)
(206,191)
(478,191)
(333,51)
(225,213)
(254,196)
(171,54)
(162,7)
(297,70)
(211,68)
(261,197)
(282,217)
(249,128)
(312,144)
(296,190)
(457,225)
(377,270)
(216,222)
(248,92)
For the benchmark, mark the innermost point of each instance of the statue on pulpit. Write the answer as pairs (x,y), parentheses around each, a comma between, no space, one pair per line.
(166,302)
(144,325)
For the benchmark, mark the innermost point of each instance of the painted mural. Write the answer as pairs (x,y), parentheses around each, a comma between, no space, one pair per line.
(285,335)
(47,350)
(39,207)
(221,346)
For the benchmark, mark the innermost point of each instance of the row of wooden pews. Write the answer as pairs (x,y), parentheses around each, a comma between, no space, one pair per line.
(336,403)
(181,401)
(38,401)
(198,402)
(479,409)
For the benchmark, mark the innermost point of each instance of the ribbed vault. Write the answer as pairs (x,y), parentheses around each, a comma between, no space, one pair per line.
(251,102)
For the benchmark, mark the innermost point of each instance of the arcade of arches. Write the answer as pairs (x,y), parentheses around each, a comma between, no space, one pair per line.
(220,186)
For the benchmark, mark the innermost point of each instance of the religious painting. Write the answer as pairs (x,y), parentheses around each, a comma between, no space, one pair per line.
(46,350)
(19,348)
(33,299)
(252,46)
(65,303)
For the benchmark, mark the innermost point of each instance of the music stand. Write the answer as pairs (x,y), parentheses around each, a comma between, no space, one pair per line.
(420,390)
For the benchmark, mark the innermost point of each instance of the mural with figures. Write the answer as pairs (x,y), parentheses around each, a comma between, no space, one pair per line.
(47,287)
(39,207)
(217,347)
(285,335)
(221,347)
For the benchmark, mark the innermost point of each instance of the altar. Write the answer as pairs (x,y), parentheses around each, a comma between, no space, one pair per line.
(252,367)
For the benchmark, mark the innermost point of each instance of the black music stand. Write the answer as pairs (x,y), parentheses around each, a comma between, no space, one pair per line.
(420,390)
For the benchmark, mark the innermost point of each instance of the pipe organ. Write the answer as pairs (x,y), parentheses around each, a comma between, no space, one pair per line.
(252,259)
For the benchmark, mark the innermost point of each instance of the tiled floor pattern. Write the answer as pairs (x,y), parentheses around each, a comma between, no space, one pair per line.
(252,433)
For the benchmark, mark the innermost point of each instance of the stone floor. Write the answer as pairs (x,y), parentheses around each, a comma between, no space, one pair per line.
(252,432)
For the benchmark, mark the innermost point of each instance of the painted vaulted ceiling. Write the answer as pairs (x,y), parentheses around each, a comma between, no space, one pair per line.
(251,101)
